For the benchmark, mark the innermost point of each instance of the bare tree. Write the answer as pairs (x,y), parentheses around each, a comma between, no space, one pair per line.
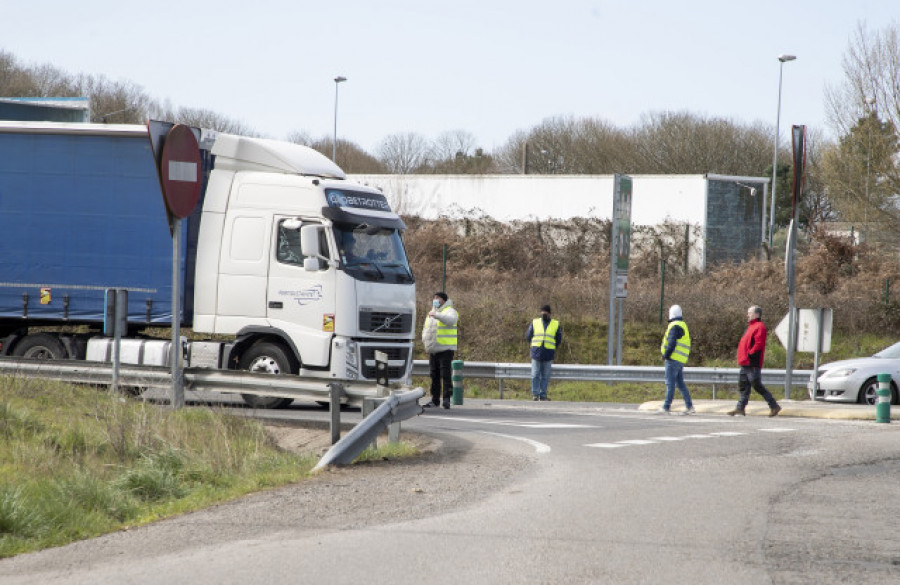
(684,143)
(203,118)
(566,146)
(404,153)
(452,144)
(871,67)
(300,137)
(863,170)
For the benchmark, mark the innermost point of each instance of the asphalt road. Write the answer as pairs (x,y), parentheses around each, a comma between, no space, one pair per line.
(547,493)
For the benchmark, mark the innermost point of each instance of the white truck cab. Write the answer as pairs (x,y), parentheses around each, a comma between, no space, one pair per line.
(306,270)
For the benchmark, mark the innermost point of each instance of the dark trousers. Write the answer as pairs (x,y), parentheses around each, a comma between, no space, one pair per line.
(751,377)
(439,366)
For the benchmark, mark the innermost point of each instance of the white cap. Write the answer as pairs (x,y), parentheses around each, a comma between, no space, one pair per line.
(674,311)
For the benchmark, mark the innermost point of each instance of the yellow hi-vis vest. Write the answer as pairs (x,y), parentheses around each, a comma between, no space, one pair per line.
(682,346)
(546,338)
(447,334)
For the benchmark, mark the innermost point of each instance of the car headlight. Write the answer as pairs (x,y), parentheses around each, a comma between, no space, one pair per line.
(840,373)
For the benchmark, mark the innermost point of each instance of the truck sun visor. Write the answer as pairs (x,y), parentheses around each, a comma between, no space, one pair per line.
(360,207)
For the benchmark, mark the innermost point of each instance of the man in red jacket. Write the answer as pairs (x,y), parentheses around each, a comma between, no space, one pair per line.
(750,353)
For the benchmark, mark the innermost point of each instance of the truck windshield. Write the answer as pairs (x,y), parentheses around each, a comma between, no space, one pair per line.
(372,253)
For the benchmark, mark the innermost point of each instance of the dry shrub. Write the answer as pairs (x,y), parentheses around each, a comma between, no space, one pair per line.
(498,274)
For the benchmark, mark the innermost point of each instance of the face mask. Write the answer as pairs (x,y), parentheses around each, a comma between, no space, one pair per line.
(436,303)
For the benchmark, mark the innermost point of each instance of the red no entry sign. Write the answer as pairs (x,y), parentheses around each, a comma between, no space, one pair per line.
(180,170)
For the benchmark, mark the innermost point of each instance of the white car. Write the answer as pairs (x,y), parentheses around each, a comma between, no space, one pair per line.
(856,380)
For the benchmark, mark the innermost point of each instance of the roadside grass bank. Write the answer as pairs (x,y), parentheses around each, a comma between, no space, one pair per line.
(78,461)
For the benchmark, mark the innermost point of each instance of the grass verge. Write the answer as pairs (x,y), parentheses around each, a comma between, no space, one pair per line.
(77,462)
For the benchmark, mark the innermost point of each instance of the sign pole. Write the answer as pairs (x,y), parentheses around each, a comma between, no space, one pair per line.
(610,325)
(177,365)
(180,172)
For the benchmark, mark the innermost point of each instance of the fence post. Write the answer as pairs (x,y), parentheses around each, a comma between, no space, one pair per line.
(883,406)
(335,391)
(456,380)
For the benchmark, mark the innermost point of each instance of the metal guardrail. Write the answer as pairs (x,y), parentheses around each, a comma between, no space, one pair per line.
(199,379)
(593,373)
(393,409)
(399,406)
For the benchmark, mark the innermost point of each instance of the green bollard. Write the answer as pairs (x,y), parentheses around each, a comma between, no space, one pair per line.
(883,406)
(456,379)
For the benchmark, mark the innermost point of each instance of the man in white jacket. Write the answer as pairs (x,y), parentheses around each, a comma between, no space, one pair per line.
(439,335)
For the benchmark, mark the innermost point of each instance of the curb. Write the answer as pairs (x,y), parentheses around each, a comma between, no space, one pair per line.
(789,408)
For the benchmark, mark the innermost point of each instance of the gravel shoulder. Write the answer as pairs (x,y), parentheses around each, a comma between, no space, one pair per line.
(449,474)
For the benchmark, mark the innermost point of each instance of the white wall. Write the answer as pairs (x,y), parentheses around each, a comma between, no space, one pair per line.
(681,198)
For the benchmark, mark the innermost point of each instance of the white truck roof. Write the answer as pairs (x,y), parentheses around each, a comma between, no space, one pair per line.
(261,154)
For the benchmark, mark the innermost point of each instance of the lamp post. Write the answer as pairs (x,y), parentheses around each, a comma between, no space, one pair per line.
(337,81)
(781,60)
(870,102)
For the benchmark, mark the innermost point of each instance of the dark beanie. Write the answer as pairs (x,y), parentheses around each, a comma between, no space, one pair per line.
(546,308)
(442,295)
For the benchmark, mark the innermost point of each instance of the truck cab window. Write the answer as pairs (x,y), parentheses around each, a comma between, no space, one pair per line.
(289,251)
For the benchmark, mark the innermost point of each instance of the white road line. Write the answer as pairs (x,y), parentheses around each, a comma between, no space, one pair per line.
(657,440)
(555,426)
(538,447)
(515,423)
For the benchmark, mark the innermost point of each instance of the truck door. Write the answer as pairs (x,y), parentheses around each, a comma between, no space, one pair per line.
(299,301)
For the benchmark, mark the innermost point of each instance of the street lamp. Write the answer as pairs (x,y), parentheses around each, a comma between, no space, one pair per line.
(781,59)
(337,81)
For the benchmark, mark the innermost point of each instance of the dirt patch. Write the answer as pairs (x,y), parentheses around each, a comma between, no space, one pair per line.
(317,440)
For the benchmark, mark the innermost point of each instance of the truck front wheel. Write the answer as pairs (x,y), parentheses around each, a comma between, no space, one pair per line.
(268,358)
(40,346)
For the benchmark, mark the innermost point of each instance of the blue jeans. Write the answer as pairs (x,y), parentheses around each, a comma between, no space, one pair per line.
(540,377)
(675,377)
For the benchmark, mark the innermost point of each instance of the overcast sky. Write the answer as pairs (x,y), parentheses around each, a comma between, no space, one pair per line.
(487,67)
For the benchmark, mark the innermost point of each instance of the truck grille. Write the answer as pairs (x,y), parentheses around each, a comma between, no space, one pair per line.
(385,322)
(394,354)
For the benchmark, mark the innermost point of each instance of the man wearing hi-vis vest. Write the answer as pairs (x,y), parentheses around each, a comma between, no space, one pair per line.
(675,348)
(439,335)
(544,334)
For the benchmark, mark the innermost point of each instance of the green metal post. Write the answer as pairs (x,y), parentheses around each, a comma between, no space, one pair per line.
(456,379)
(444,268)
(662,286)
(883,406)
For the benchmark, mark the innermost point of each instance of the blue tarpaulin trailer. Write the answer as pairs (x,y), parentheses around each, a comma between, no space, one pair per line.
(81,212)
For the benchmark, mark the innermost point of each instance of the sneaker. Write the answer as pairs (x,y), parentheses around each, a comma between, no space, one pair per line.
(536,398)
(429,404)
(447,404)
(661,411)
(545,399)
(774,411)
(688,411)
(737,410)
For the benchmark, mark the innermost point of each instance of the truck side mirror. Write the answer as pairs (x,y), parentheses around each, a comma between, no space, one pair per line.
(310,236)
(309,241)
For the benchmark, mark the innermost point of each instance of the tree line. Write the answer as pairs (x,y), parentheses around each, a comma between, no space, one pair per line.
(854,178)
